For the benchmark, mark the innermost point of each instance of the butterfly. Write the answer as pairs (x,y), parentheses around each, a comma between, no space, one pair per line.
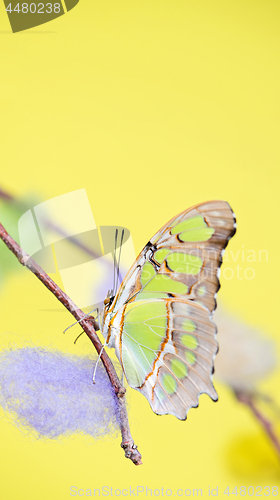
(160,320)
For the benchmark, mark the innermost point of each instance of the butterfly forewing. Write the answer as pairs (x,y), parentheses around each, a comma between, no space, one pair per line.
(165,336)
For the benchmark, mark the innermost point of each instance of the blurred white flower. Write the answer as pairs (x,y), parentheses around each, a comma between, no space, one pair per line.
(245,356)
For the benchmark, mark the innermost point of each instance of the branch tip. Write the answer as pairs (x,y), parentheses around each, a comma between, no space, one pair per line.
(131,452)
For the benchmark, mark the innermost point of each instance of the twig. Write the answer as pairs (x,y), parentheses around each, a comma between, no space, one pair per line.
(88,325)
(5,196)
(248,399)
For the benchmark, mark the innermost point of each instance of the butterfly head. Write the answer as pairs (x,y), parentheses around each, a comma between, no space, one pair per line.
(109,300)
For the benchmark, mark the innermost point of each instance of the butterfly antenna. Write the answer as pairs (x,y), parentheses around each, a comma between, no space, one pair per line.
(118,269)
(116,238)
(95,368)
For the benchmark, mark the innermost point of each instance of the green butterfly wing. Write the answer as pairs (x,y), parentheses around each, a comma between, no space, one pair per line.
(161,317)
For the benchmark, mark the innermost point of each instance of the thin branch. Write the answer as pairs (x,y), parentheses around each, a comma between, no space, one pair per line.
(5,196)
(248,400)
(89,326)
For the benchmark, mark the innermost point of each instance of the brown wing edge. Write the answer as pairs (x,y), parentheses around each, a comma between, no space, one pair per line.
(211,316)
(221,259)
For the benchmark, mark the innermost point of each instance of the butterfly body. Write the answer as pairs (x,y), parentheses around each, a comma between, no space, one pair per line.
(160,321)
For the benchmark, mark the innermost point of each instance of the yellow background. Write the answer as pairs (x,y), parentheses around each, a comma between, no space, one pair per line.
(152,106)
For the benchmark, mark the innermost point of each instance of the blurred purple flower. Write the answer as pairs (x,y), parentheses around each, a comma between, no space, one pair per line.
(53,394)
(246,356)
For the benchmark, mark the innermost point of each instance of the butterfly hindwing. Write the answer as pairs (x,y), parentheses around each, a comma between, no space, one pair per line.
(167,350)
(162,313)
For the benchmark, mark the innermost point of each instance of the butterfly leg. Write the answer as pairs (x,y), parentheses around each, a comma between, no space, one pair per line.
(99,356)
(88,314)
